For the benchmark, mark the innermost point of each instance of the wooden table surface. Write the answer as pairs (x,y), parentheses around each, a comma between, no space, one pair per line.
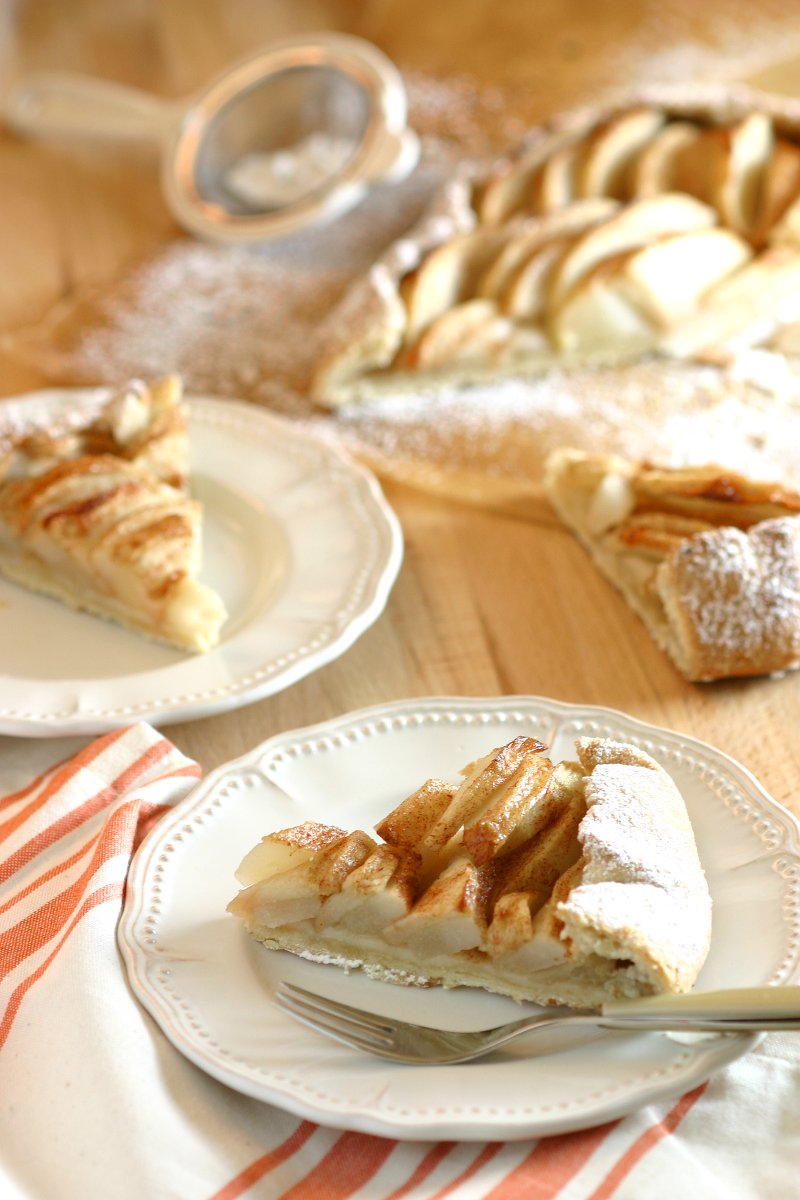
(485,604)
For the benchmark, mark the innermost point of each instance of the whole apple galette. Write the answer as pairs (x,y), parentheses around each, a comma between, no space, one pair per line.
(709,559)
(569,883)
(94,512)
(659,225)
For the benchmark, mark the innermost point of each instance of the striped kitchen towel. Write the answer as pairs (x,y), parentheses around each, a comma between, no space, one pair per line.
(95,1102)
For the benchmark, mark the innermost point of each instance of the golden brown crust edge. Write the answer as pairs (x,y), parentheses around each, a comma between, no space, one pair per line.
(723,600)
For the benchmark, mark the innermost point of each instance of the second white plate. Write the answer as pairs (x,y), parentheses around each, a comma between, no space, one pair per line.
(297,538)
(209,985)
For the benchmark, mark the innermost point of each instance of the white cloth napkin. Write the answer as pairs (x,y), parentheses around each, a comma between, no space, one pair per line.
(95,1102)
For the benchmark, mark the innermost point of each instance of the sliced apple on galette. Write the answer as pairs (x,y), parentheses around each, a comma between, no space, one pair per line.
(696,251)
(709,559)
(94,513)
(562,883)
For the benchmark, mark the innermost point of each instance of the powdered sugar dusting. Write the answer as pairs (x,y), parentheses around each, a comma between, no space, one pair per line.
(248,323)
(741,594)
(636,829)
(212,315)
(643,892)
(245,322)
(672,411)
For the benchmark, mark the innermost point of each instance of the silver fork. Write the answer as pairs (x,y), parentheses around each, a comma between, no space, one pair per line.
(733,1010)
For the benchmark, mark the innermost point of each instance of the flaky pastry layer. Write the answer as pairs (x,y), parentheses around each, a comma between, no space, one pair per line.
(569,883)
(709,559)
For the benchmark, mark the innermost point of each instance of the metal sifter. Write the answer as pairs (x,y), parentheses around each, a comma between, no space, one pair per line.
(290,137)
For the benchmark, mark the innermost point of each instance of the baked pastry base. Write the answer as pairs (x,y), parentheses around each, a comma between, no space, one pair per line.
(568,883)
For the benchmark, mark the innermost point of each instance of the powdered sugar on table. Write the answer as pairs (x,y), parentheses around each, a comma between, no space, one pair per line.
(246,323)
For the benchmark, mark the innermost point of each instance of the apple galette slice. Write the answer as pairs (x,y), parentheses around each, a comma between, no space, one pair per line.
(568,883)
(142,422)
(94,512)
(709,559)
(106,536)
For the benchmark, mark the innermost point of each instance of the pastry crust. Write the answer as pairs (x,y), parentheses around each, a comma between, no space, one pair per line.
(709,559)
(570,883)
(701,216)
(143,423)
(96,516)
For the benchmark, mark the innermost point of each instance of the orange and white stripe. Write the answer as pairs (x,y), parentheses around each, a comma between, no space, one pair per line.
(592,1164)
(66,840)
(65,844)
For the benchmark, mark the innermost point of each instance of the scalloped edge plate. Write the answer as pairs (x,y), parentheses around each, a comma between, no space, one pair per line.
(208,985)
(299,540)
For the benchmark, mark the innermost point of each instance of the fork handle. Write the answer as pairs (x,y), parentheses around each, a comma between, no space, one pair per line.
(734,1008)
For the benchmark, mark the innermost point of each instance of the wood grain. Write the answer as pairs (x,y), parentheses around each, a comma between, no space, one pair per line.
(485,604)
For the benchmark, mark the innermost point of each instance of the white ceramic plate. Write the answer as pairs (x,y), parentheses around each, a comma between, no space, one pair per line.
(209,985)
(297,538)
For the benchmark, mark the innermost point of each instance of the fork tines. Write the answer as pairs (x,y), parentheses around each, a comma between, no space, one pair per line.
(366,1031)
